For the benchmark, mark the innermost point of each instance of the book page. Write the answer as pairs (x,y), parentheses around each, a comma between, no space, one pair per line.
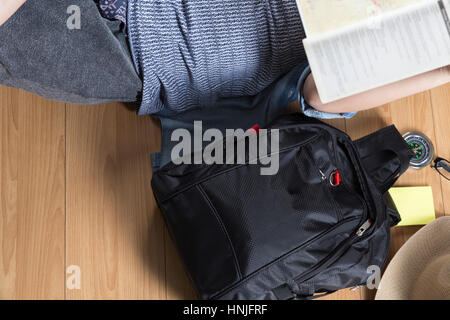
(321,16)
(362,57)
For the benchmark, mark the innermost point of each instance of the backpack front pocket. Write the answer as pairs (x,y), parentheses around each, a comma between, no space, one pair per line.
(202,241)
(267,216)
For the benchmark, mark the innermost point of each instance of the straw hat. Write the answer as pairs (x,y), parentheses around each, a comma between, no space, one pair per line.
(421,268)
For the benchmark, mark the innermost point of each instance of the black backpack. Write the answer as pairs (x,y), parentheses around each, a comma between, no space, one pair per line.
(314,227)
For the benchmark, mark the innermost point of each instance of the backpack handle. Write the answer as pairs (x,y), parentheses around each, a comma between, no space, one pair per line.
(385,155)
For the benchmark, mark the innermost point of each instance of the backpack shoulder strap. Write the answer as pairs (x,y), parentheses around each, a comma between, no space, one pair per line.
(385,155)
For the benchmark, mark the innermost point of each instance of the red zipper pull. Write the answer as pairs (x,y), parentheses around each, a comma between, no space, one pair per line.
(335,178)
(255,129)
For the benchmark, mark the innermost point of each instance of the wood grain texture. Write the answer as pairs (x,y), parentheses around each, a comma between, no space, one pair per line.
(32,196)
(440,102)
(75,190)
(114,233)
(368,121)
(344,294)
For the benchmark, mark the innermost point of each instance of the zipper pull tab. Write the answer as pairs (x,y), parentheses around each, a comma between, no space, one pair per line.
(323,176)
(366,225)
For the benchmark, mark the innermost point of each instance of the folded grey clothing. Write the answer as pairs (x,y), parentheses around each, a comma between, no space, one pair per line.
(41,54)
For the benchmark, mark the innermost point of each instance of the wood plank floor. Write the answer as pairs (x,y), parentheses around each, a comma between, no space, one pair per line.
(75,190)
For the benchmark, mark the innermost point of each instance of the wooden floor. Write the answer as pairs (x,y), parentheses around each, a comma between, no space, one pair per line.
(75,190)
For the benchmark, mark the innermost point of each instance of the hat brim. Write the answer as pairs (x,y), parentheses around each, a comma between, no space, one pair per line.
(421,268)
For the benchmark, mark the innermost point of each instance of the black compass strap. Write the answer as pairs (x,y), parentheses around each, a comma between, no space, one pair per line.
(385,156)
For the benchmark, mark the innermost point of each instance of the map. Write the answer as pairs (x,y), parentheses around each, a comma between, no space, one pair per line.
(321,16)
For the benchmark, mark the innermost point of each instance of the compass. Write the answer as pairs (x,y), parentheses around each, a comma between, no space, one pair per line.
(422,148)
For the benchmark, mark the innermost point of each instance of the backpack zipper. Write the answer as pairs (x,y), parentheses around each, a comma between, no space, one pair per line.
(294,251)
(346,244)
(336,254)
(366,225)
(359,234)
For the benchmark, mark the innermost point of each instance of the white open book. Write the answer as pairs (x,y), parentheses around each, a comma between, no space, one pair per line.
(357,45)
